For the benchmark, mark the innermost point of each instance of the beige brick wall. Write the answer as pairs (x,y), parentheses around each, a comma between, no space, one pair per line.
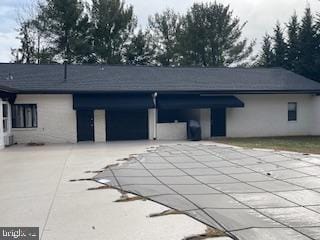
(56,119)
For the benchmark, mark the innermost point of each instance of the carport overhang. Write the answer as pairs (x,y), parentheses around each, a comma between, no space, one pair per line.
(7,96)
(112,101)
(147,101)
(197,101)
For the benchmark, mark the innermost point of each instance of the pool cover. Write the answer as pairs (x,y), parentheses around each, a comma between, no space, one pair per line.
(249,194)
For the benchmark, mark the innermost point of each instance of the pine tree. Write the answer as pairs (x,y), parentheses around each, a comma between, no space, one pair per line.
(280,47)
(293,43)
(64,20)
(267,55)
(211,36)
(165,28)
(139,51)
(308,46)
(113,25)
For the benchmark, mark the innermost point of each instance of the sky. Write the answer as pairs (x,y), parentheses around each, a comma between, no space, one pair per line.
(261,16)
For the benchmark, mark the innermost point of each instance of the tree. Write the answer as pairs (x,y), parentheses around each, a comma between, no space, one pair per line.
(280,47)
(293,43)
(113,25)
(267,55)
(66,28)
(165,29)
(139,51)
(308,46)
(27,51)
(211,36)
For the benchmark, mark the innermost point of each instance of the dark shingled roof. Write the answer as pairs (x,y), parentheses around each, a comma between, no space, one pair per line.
(95,78)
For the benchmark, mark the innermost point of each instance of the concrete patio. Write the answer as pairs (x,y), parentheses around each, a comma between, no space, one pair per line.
(263,194)
(36,191)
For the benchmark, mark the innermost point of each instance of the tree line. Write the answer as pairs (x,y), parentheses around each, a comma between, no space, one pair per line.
(105,31)
(207,35)
(294,46)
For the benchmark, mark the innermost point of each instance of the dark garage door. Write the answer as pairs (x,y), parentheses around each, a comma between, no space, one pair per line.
(127,125)
(85,125)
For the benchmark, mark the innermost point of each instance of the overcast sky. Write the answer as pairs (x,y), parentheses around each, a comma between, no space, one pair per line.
(260,14)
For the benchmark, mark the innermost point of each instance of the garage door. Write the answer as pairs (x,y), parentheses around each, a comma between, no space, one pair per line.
(127,125)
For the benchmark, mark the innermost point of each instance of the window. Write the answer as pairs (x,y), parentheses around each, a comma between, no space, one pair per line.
(5,114)
(24,116)
(292,111)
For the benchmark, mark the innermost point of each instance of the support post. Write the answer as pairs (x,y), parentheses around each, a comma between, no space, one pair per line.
(152,113)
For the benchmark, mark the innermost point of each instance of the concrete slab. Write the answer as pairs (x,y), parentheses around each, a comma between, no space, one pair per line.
(36,191)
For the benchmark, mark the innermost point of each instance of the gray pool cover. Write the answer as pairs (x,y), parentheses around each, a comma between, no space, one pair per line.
(249,194)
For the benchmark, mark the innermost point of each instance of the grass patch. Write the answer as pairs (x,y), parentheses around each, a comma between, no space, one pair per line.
(303,144)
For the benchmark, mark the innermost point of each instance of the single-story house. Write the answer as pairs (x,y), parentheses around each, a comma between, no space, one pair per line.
(67,104)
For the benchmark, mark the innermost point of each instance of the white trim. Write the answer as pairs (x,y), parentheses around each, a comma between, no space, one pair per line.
(1,126)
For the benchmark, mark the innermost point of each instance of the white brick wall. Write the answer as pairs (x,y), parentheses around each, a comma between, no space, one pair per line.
(172,131)
(152,116)
(263,115)
(99,126)
(316,116)
(56,120)
(205,122)
(267,115)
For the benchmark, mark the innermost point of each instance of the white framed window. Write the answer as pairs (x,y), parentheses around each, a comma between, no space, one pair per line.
(24,116)
(292,111)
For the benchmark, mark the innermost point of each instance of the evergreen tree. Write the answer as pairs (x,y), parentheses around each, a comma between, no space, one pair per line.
(211,36)
(113,25)
(308,46)
(64,21)
(280,47)
(293,43)
(165,28)
(139,51)
(267,55)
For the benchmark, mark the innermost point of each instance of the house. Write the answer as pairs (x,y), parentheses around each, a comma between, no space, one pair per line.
(69,104)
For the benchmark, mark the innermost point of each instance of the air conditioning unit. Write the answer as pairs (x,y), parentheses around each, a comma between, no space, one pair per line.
(8,140)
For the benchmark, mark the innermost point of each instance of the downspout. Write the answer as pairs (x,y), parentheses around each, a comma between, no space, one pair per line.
(154,96)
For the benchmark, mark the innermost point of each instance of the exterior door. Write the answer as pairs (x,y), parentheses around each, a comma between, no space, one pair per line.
(218,122)
(127,125)
(85,125)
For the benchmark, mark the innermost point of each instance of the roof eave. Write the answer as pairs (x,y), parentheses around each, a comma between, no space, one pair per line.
(44,91)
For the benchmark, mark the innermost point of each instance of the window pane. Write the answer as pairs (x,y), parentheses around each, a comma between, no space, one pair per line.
(292,107)
(5,125)
(28,116)
(292,116)
(20,117)
(34,116)
(292,111)
(5,110)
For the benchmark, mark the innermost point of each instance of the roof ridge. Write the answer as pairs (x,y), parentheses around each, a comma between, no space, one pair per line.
(142,66)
